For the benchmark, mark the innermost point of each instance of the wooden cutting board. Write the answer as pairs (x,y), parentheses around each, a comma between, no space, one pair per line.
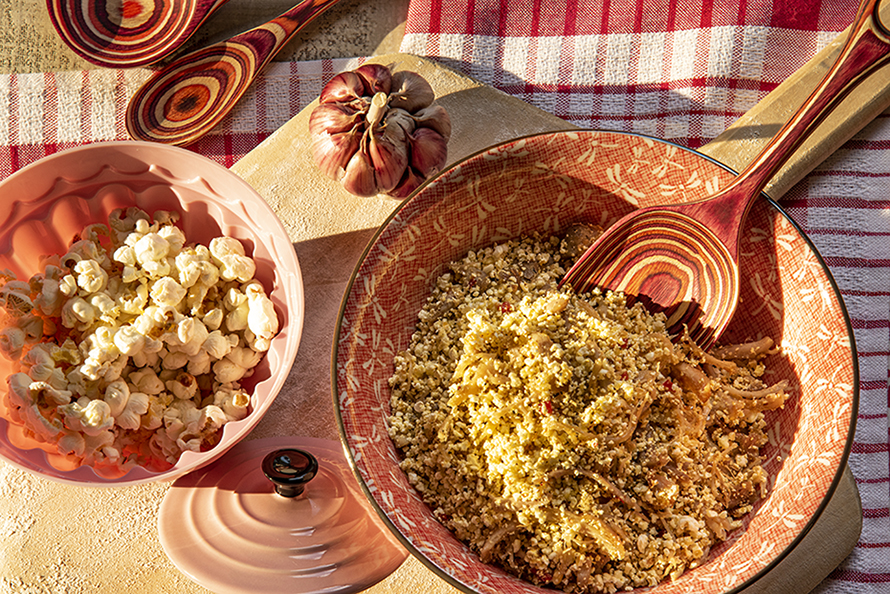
(330,229)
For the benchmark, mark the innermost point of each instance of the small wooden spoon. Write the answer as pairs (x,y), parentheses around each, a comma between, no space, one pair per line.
(185,100)
(682,259)
(128,33)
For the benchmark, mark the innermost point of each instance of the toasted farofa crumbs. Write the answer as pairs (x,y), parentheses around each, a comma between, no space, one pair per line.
(564,437)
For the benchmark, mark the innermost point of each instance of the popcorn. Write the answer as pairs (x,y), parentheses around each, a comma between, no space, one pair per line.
(12,341)
(131,416)
(199,364)
(234,402)
(146,380)
(192,333)
(184,386)
(89,417)
(228,254)
(15,297)
(91,278)
(32,326)
(236,365)
(156,338)
(129,341)
(126,255)
(106,307)
(174,237)
(166,291)
(261,317)
(68,285)
(48,292)
(218,345)
(126,407)
(40,363)
(213,319)
(239,309)
(151,247)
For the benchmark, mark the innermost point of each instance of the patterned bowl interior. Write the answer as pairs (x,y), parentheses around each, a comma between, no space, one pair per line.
(43,206)
(544,183)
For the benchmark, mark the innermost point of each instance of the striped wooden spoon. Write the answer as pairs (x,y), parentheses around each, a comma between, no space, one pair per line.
(190,96)
(128,33)
(682,259)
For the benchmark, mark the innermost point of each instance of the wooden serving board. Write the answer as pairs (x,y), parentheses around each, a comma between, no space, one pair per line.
(330,229)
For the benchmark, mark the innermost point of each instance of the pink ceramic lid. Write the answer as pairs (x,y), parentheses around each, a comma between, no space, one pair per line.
(229,528)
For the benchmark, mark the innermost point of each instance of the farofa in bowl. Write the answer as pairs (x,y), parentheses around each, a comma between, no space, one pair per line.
(563,436)
(541,185)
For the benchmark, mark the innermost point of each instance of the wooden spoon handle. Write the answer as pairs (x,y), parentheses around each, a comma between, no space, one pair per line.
(265,41)
(185,100)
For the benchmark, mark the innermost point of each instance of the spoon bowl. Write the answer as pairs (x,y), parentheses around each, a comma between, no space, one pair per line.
(128,33)
(682,259)
(186,99)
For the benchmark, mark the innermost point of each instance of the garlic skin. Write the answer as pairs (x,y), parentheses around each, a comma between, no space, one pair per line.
(379,132)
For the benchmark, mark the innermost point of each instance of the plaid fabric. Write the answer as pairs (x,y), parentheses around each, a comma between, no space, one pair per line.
(677,69)
(43,113)
(684,70)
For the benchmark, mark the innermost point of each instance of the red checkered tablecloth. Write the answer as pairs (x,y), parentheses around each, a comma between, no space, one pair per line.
(682,70)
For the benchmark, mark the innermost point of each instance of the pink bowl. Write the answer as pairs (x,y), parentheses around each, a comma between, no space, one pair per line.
(44,205)
(544,183)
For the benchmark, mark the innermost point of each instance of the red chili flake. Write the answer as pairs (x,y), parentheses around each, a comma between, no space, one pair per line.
(506,307)
(625,344)
(471,282)
(547,407)
(668,385)
(624,375)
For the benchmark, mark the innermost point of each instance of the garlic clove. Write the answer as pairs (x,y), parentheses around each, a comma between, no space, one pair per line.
(388,151)
(410,91)
(332,152)
(334,118)
(435,117)
(410,182)
(376,78)
(345,87)
(400,118)
(429,151)
(359,177)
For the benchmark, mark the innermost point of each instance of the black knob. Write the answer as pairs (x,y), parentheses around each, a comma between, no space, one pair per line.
(290,470)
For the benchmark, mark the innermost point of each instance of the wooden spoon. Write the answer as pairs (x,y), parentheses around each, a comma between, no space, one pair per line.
(185,100)
(127,33)
(682,259)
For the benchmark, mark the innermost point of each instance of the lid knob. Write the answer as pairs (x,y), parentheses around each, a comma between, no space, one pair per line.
(289,470)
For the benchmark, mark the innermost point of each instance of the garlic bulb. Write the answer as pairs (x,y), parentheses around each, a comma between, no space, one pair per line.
(378,131)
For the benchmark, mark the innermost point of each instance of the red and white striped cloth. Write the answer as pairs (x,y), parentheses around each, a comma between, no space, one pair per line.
(677,69)
(43,113)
